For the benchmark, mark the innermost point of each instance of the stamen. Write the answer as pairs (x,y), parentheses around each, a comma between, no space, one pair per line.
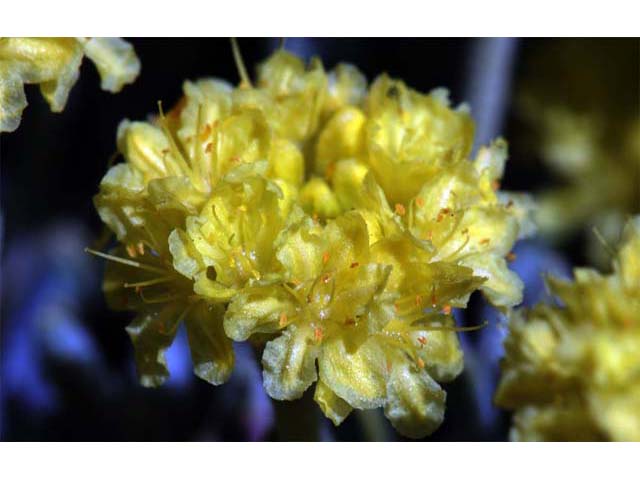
(420,201)
(446,309)
(124,261)
(420,363)
(131,251)
(511,256)
(148,283)
(400,210)
(283,320)
(245,82)
(318,334)
(325,258)
(447,328)
(354,265)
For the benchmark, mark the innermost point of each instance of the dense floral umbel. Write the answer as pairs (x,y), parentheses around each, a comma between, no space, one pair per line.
(333,227)
(571,371)
(54,64)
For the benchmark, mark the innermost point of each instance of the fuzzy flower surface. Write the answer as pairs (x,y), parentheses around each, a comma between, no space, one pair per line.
(332,225)
(54,64)
(571,371)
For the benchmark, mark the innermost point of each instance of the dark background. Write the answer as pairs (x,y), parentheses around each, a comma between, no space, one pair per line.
(67,367)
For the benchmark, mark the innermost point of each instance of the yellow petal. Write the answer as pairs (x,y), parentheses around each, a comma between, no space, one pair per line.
(333,407)
(346,86)
(259,309)
(415,402)
(152,332)
(286,162)
(358,377)
(300,250)
(211,350)
(12,98)
(289,363)
(347,181)
(146,148)
(115,60)
(341,138)
(316,197)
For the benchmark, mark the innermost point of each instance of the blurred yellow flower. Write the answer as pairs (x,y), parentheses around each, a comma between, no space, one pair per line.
(586,129)
(571,371)
(54,64)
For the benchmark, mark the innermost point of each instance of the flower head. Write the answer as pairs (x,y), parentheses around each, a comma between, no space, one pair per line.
(571,371)
(334,226)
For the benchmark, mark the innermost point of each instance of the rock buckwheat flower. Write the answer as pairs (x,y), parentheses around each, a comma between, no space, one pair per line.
(333,226)
(571,371)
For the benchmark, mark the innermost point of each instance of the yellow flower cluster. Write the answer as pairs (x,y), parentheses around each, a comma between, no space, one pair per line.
(572,372)
(334,225)
(586,128)
(54,64)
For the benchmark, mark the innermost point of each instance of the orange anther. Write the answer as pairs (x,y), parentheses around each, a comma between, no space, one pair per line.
(131,250)
(420,201)
(495,185)
(420,363)
(418,300)
(354,265)
(235,159)
(446,309)
(400,210)
(511,256)
(422,341)
(141,248)
(331,169)
(429,235)
(349,321)
(283,320)
(485,241)
(325,257)
(209,147)
(206,131)
(318,334)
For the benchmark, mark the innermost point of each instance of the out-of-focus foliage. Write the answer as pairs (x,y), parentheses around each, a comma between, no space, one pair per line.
(54,64)
(571,370)
(579,101)
(332,226)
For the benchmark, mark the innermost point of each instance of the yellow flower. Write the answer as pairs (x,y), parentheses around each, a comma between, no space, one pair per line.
(373,343)
(140,277)
(229,246)
(586,129)
(54,64)
(571,372)
(339,225)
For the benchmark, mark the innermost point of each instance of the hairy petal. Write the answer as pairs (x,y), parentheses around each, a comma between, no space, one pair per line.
(211,350)
(289,363)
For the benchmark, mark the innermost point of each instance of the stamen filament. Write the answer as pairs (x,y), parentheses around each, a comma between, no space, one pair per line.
(245,82)
(124,261)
